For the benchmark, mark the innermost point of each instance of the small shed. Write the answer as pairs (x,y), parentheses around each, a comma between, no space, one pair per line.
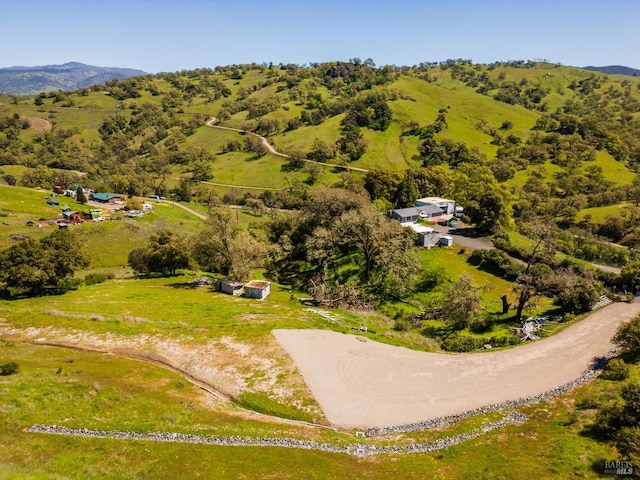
(259,289)
(445,241)
(231,287)
(73,217)
(428,239)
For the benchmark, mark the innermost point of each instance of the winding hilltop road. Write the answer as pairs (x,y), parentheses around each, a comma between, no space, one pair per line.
(212,123)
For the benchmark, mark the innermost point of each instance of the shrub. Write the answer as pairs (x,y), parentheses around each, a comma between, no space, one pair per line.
(430,278)
(628,337)
(401,325)
(480,325)
(10,179)
(9,368)
(589,403)
(616,369)
(504,341)
(462,344)
(496,262)
(94,278)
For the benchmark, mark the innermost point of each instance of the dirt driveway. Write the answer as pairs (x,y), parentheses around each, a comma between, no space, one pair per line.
(360,383)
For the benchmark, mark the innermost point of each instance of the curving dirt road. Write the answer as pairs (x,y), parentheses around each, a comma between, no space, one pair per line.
(362,384)
(212,123)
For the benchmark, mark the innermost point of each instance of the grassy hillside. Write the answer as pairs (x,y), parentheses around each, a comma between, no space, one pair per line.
(244,96)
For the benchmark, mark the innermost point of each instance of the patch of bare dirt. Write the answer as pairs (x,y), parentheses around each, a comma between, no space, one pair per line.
(38,124)
(224,367)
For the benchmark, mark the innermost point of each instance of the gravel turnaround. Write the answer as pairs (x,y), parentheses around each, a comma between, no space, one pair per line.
(354,449)
(363,384)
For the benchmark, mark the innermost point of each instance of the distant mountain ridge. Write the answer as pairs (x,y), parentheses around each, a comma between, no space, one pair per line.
(615,69)
(69,76)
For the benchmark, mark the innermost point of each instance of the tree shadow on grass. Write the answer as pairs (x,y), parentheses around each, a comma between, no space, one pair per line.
(443,331)
(289,167)
(48,292)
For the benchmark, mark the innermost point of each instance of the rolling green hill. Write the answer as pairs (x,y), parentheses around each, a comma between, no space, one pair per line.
(574,129)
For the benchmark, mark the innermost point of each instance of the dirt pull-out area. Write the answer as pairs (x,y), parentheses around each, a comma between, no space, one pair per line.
(362,384)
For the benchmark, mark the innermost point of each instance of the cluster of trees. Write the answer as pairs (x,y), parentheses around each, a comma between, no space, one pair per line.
(35,267)
(339,245)
(344,248)
(573,287)
(222,246)
(619,421)
(165,253)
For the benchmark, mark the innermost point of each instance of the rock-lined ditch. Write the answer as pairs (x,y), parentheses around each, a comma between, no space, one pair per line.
(355,449)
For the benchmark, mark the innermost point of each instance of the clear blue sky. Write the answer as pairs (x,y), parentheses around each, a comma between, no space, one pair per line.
(171,35)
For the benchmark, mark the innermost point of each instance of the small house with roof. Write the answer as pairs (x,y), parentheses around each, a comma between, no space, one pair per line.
(411,214)
(108,197)
(259,289)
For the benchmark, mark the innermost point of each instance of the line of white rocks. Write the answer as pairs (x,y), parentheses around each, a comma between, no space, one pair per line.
(355,449)
(598,364)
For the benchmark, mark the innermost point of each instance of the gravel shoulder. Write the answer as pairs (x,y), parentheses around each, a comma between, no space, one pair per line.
(360,383)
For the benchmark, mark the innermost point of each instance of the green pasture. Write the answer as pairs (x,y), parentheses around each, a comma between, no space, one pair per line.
(612,170)
(465,111)
(21,205)
(169,306)
(237,168)
(243,169)
(384,150)
(301,139)
(600,214)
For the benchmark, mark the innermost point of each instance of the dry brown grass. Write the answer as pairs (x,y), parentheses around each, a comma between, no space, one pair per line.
(38,124)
